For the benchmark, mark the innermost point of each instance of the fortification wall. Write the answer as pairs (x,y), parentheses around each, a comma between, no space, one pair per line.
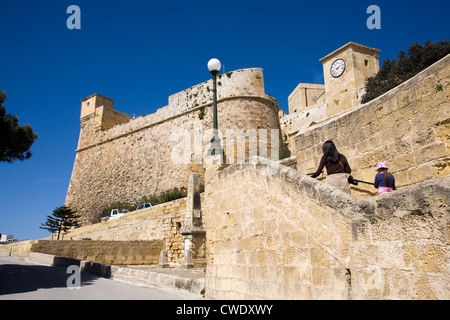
(105,252)
(143,157)
(288,236)
(408,127)
(162,222)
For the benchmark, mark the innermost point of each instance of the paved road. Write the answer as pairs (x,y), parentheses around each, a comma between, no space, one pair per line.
(28,280)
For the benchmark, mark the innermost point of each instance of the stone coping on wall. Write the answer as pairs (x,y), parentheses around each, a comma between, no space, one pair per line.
(399,202)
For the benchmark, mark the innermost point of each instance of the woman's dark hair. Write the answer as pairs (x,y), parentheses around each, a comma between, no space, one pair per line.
(387,179)
(330,152)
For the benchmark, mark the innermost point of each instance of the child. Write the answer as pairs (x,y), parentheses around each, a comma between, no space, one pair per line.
(384,181)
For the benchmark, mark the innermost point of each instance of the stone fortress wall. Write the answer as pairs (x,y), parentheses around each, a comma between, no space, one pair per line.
(119,159)
(284,235)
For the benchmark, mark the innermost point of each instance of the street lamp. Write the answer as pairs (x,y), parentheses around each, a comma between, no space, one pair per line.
(214,67)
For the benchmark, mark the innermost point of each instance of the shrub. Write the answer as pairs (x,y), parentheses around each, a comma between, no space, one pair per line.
(166,196)
(394,72)
(285,152)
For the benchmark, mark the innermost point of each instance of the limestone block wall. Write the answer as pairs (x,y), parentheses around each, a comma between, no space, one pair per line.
(231,84)
(408,127)
(19,249)
(136,159)
(288,236)
(305,96)
(106,118)
(162,222)
(297,122)
(106,252)
(400,249)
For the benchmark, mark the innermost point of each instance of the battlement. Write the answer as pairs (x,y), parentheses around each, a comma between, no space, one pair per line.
(119,159)
(110,124)
(243,82)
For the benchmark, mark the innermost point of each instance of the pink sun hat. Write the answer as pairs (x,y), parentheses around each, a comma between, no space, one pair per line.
(381,165)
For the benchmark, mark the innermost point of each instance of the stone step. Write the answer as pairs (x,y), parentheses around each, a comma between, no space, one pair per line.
(191,280)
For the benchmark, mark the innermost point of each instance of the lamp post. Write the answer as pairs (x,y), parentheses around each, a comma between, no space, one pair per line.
(214,66)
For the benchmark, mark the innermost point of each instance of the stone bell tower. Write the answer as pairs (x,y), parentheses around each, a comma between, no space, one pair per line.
(345,72)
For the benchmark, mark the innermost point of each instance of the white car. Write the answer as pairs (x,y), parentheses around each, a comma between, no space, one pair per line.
(115,214)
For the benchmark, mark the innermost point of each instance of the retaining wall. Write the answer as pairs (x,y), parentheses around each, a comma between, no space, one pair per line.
(288,236)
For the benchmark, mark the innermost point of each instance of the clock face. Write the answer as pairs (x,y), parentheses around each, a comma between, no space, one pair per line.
(337,68)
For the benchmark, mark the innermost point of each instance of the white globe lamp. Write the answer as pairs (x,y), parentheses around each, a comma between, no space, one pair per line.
(214,65)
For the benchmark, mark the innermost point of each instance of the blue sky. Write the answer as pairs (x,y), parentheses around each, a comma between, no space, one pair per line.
(141,52)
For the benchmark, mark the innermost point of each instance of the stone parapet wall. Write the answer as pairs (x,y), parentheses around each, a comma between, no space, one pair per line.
(19,249)
(408,127)
(400,251)
(105,252)
(234,84)
(161,222)
(288,236)
(243,82)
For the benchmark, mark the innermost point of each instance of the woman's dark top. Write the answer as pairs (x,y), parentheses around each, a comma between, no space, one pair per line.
(333,167)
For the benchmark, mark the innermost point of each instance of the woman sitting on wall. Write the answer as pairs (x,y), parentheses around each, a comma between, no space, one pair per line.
(337,167)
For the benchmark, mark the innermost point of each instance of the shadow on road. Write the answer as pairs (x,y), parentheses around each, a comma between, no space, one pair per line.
(27,277)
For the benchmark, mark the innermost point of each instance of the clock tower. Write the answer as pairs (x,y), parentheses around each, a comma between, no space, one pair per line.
(345,72)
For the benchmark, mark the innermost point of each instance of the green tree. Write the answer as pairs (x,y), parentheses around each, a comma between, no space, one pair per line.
(63,219)
(15,140)
(394,72)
